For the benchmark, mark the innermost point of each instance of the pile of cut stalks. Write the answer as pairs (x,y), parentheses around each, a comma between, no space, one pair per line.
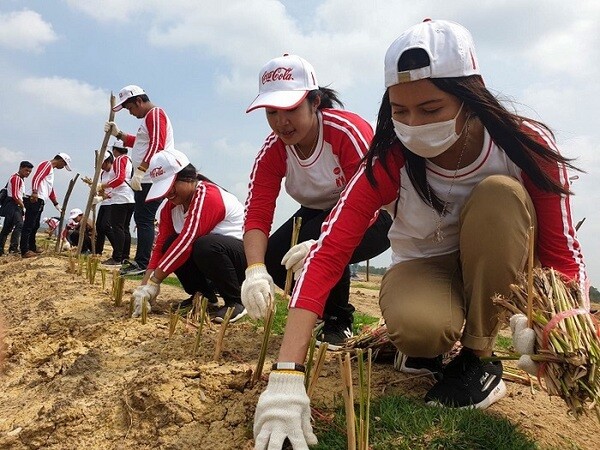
(567,347)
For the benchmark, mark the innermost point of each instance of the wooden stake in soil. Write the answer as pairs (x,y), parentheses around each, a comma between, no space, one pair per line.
(119,289)
(59,238)
(221,334)
(203,307)
(348,394)
(294,241)
(268,324)
(318,366)
(98,169)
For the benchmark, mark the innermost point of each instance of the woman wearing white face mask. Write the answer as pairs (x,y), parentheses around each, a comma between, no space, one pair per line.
(464,180)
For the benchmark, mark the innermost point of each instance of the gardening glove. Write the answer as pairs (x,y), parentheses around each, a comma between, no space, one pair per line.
(114,129)
(136,180)
(283,411)
(145,293)
(257,291)
(97,199)
(524,343)
(295,257)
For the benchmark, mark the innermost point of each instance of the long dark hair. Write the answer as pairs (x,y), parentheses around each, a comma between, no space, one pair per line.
(504,128)
(329,97)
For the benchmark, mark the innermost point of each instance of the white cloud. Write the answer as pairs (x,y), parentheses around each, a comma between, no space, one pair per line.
(66,94)
(25,30)
(11,157)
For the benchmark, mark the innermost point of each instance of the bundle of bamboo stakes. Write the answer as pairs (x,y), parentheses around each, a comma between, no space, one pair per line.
(567,337)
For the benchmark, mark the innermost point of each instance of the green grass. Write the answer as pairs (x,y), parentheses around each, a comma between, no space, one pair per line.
(402,423)
(360,320)
(504,343)
(365,286)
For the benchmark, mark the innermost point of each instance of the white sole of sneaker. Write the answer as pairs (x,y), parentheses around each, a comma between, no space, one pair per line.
(497,393)
(233,319)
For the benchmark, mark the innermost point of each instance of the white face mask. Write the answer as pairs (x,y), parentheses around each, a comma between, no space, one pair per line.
(428,140)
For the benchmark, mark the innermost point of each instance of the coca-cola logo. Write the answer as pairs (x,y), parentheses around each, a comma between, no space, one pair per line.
(279,74)
(156,172)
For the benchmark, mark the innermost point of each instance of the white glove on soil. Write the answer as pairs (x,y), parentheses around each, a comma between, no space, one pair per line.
(283,410)
(136,180)
(294,258)
(145,293)
(114,129)
(257,291)
(524,343)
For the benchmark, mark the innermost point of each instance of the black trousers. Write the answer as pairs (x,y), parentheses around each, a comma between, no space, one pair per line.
(13,221)
(73,238)
(144,215)
(104,229)
(120,219)
(217,262)
(31,224)
(374,242)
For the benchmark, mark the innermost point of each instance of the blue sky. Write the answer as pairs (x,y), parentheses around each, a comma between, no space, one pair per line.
(199,60)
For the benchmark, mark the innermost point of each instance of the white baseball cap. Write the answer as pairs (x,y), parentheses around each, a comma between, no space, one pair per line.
(164,167)
(126,93)
(284,82)
(74,213)
(67,159)
(450,48)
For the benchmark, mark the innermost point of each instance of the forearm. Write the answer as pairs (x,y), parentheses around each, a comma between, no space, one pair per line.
(298,332)
(255,246)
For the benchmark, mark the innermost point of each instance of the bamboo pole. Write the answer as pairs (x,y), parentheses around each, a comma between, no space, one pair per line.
(268,324)
(294,241)
(97,170)
(59,239)
(531,245)
(348,394)
(203,307)
(318,366)
(221,334)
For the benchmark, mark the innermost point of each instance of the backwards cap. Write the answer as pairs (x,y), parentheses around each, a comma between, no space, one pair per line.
(450,48)
(284,82)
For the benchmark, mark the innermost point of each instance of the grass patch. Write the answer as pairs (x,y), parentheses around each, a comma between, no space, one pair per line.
(504,343)
(373,287)
(360,320)
(280,316)
(402,423)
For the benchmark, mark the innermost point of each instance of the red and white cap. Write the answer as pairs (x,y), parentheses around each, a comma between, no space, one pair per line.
(126,93)
(67,159)
(450,48)
(164,167)
(74,213)
(284,82)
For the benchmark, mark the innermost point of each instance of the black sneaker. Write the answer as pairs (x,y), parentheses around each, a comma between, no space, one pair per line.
(132,269)
(188,303)
(335,334)
(238,312)
(468,382)
(110,262)
(419,366)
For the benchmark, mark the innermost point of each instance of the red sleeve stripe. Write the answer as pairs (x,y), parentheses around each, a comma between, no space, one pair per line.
(191,229)
(42,171)
(120,171)
(345,127)
(157,122)
(565,208)
(271,139)
(16,184)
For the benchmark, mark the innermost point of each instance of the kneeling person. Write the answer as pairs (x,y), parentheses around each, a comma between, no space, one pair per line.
(199,236)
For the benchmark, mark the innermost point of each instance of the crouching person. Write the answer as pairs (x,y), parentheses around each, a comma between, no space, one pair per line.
(199,237)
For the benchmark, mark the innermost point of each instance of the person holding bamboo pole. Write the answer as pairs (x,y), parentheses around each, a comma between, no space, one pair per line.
(199,237)
(464,180)
(154,135)
(316,148)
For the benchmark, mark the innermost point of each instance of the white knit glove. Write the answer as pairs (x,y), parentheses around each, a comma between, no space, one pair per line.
(294,258)
(145,293)
(257,291)
(114,129)
(283,411)
(136,180)
(97,199)
(524,343)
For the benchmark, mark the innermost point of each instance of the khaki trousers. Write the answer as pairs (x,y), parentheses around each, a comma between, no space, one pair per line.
(429,304)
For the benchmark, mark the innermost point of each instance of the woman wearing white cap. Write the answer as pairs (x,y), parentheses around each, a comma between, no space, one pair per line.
(40,191)
(73,228)
(316,149)
(473,178)
(199,236)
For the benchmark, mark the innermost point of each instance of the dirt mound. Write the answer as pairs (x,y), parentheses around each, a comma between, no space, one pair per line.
(80,374)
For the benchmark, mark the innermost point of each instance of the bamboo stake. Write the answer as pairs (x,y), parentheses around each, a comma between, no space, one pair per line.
(103,276)
(144,312)
(318,366)
(348,394)
(59,239)
(203,306)
(530,279)
(309,362)
(98,169)
(119,290)
(294,241)
(268,324)
(221,334)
